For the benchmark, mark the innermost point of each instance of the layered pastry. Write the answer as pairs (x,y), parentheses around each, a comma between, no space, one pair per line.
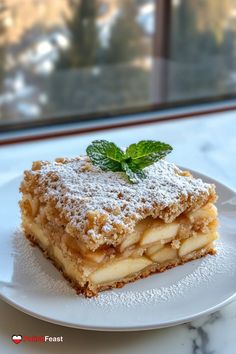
(102,231)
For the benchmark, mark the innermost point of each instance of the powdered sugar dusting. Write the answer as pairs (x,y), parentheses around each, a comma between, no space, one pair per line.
(210,266)
(102,206)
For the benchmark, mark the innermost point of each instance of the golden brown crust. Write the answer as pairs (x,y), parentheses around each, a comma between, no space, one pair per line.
(79,216)
(101,208)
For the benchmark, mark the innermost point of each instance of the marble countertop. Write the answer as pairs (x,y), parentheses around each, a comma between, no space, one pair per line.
(206,144)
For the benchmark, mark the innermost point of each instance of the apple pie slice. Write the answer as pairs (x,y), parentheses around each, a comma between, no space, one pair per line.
(102,231)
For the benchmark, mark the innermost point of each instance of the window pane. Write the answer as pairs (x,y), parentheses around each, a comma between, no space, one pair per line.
(80,59)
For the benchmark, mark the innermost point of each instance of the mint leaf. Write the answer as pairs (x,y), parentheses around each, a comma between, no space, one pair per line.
(106,155)
(146,152)
(134,174)
(109,157)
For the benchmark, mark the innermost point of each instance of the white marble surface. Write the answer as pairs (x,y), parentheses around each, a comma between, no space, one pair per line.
(206,144)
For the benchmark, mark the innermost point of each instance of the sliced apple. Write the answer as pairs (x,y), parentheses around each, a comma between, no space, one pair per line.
(97,256)
(76,247)
(133,252)
(134,237)
(152,249)
(137,252)
(167,253)
(129,240)
(159,231)
(40,235)
(119,270)
(209,211)
(196,242)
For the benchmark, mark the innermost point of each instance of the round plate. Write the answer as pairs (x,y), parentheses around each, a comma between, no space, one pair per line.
(29,282)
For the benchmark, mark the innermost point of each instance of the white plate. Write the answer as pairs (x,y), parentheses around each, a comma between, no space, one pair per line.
(30,283)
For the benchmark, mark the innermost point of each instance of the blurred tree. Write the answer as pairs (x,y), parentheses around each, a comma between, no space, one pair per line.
(83,32)
(199,57)
(2,56)
(190,40)
(2,46)
(88,91)
(126,35)
(212,15)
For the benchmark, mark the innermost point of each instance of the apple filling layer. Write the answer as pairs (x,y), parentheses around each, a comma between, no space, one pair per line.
(152,247)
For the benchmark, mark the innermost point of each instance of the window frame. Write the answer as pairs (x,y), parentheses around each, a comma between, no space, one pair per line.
(142,118)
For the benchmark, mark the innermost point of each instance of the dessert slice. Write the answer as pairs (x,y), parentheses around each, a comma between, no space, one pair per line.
(102,231)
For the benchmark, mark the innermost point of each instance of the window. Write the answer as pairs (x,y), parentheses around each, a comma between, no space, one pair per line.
(73,60)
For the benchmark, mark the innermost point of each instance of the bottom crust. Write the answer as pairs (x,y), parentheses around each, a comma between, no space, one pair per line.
(89,291)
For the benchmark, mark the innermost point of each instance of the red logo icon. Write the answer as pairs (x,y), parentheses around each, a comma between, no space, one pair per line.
(16,338)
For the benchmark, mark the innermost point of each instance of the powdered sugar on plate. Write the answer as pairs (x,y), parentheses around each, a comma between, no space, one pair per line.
(31,264)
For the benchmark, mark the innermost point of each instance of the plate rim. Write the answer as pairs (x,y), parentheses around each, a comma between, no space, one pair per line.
(133,328)
(137,328)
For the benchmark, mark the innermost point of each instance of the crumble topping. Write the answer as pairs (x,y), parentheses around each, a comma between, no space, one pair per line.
(102,207)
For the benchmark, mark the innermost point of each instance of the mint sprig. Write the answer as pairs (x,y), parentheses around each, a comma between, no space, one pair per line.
(109,157)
